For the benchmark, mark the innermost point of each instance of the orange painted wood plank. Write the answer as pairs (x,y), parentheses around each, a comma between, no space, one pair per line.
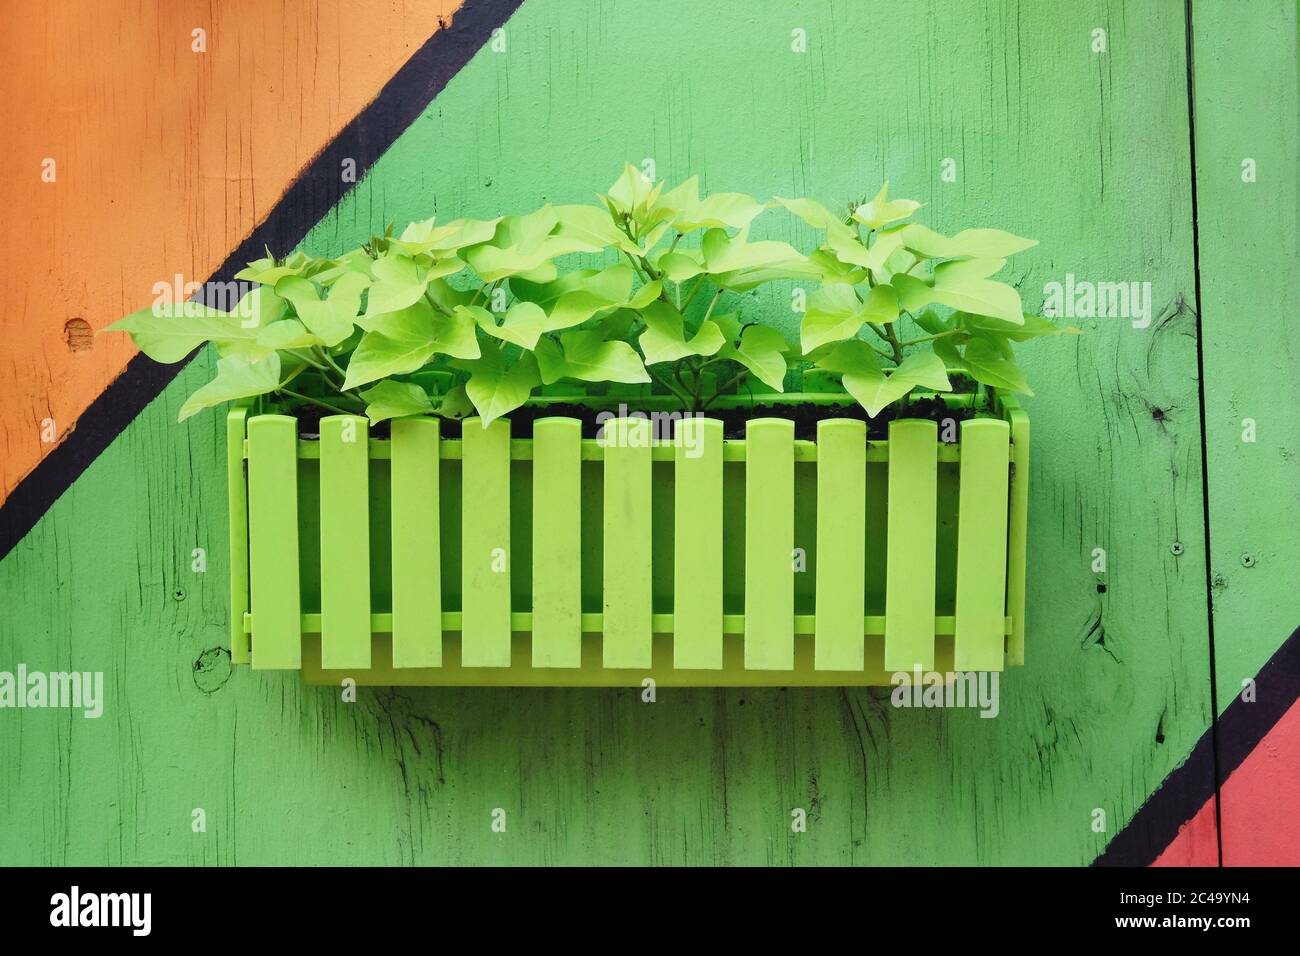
(164,159)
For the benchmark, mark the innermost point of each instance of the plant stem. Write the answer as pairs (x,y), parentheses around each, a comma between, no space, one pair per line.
(332,364)
(887,333)
(722,389)
(714,301)
(928,338)
(680,396)
(314,401)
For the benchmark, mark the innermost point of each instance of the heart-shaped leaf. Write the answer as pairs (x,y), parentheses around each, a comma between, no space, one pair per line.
(495,388)
(237,377)
(391,399)
(882,210)
(664,339)
(871,386)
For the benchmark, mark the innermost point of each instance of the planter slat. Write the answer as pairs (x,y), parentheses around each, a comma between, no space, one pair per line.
(557,543)
(910,550)
(485,544)
(697,545)
(769,544)
(273,541)
(982,546)
(628,596)
(344,542)
(416,531)
(1017,526)
(841,544)
(237,502)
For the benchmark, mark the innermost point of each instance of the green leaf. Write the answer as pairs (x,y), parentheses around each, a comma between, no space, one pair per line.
(664,339)
(829,269)
(729,210)
(681,265)
(633,193)
(424,237)
(454,335)
(1033,326)
(882,210)
(523,323)
(400,342)
(169,333)
(531,262)
(456,403)
(550,361)
(399,283)
(737,264)
(588,357)
(600,292)
(593,226)
(496,389)
(969,243)
(329,271)
(931,322)
(835,313)
(391,399)
(331,319)
(645,295)
(445,296)
(237,377)
(812,212)
(913,294)
(758,348)
(964,285)
(287,334)
(986,363)
(868,383)
(269,270)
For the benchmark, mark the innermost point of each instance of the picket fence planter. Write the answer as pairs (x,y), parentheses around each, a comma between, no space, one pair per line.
(563,561)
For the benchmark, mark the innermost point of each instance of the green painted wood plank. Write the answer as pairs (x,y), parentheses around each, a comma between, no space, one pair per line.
(912,533)
(237,505)
(344,542)
(273,542)
(1247,98)
(841,544)
(697,544)
(416,533)
(557,543)
(485,544)
(1017,530)
(982,545)
(627,600)
(769,544)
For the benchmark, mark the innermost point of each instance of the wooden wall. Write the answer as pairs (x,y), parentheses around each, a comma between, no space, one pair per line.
(167,158)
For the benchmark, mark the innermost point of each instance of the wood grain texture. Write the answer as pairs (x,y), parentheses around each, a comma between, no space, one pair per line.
(165,158)
(1087,152)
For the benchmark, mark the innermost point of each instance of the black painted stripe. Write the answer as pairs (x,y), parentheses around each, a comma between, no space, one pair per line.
(1183,793)
(316,191)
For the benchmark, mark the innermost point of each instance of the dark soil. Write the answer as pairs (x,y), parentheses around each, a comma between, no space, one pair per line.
(805,416)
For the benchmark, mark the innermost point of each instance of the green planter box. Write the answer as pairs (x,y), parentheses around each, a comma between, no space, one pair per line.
(559,561)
